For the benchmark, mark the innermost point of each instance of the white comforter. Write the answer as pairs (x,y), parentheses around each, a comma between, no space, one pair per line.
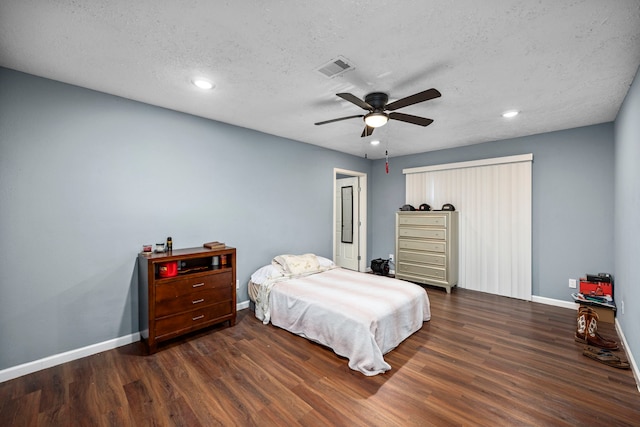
(360,316)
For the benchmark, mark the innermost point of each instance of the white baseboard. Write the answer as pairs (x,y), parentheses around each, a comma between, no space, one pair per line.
(67,356)
(632,360)
(555,302)
(78,353)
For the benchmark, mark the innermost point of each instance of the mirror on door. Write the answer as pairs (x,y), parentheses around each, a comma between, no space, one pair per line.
(347,215)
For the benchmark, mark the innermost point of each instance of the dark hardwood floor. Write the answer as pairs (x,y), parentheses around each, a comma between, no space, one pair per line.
(481,360)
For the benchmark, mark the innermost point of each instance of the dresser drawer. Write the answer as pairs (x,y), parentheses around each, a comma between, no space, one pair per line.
(179,295)
(185,286)
(168,303)
(179,323)
(440,247)
(421,271)
(423,233)
(430,220)
(422,258)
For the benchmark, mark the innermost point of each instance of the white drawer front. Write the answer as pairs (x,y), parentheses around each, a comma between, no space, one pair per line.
(423,233)
(422,271)
(422,245)
(428,220)
(422,258)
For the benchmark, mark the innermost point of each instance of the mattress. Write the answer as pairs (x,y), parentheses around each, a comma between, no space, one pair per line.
(359,316)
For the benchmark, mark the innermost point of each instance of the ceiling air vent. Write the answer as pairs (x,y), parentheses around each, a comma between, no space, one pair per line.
(336,67)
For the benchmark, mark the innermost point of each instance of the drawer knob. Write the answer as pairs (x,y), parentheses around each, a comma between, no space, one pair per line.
(198,301)
(198,317)
(197,285)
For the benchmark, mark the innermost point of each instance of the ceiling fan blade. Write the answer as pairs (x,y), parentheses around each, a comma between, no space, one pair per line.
(355,100)
(337,120)
(414,99)
(416,120)
(368,131)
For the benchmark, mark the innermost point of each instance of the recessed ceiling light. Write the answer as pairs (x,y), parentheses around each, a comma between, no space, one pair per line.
(375,142)
(509,114)
(203,84)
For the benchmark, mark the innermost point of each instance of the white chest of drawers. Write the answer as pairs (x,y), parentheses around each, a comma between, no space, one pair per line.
(427,247)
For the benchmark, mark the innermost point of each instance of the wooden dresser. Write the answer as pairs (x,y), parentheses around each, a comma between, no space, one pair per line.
(200,294)
(427,247)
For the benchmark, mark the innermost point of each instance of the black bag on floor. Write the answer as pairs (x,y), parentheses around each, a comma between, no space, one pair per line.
(380,266)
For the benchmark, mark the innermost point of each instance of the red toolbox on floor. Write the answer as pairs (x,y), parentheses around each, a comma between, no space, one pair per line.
(596,288)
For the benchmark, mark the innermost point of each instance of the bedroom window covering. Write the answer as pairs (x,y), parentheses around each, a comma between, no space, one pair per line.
(493,197)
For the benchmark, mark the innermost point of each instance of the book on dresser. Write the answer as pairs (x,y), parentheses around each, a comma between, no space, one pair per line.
(185,290)
(427,247)
(214,245)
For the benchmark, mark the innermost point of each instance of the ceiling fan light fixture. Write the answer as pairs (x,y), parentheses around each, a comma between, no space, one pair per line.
(510,114)
(375,142)
(375,120)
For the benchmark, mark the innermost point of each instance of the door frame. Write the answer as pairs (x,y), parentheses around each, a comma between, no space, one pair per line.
(362,220)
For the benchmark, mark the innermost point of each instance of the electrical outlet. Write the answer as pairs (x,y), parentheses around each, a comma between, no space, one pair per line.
(572,283)
(391,257)
(237,284)
(622,307)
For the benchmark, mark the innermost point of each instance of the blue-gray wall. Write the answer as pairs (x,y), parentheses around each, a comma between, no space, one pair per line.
(572,179)
(86,179)
(627,216)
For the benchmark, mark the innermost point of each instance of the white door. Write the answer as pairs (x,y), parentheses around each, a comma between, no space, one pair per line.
(347,216)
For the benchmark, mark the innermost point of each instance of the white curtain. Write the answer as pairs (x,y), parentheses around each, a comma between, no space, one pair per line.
(493,198)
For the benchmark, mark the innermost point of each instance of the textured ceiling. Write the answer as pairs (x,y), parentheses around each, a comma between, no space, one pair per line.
(563,64)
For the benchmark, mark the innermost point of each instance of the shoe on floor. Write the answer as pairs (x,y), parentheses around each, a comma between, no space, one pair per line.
(587,330)
(605,356)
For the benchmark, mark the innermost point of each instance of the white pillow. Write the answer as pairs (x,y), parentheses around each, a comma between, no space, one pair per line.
(296,264)
(279,263)
(265,273)
(324,262)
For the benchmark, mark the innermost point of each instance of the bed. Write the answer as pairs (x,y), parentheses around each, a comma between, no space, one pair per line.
(359,316)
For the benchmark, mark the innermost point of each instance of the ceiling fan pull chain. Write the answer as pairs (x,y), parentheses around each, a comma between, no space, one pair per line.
(386,164)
